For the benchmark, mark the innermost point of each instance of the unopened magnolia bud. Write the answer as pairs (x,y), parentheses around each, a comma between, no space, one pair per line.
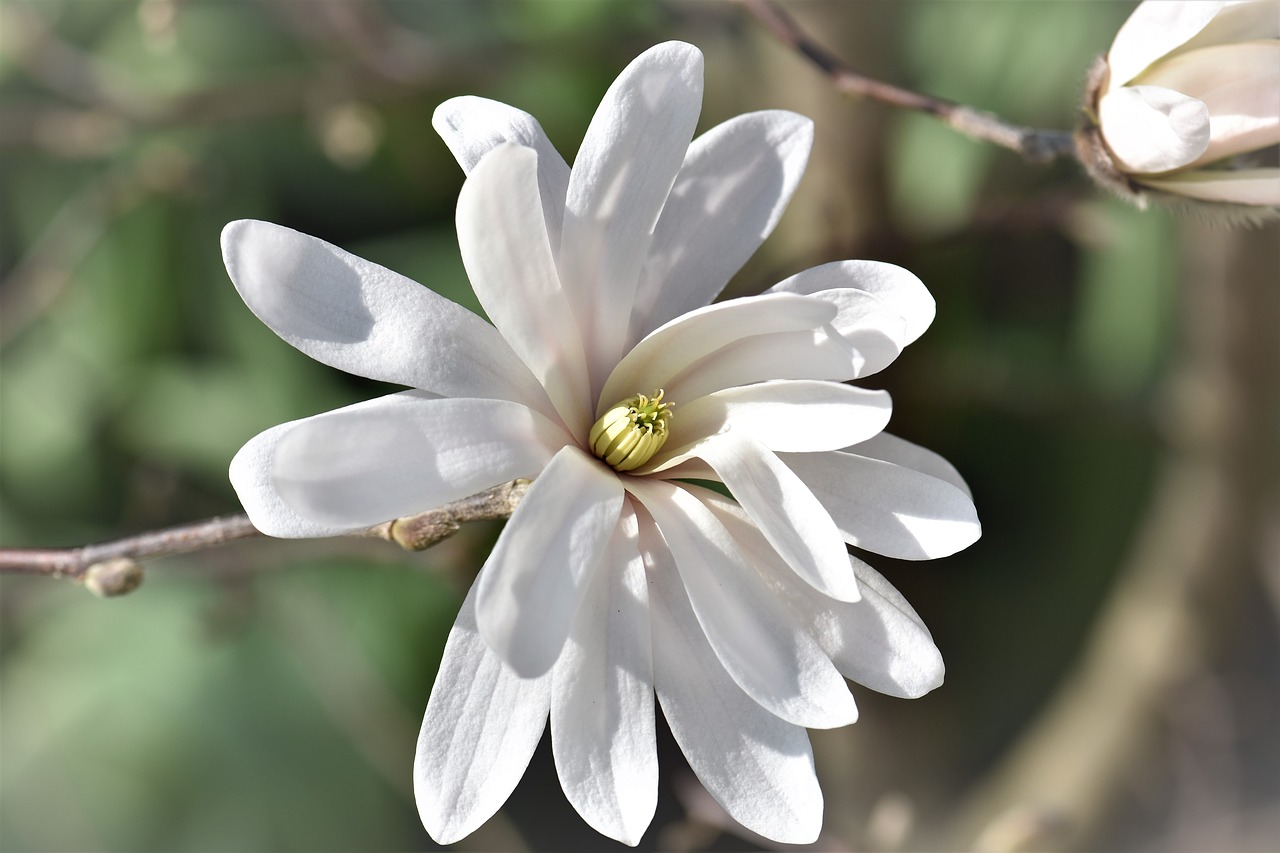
(117,576)
(1182,109)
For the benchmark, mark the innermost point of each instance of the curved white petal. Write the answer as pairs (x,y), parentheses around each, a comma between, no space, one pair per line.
(538,571)
(690,469)
(354,315)
(756,766)
(678,346)
(1239,186)
(472,127)
(624,170)
(481,727)
(760,643)
(1237,21)
(875,332)
(796,416)
(1154,29)
(509,261)
(251,478)
(602,716)
(879,641)
(733,187)
(1240,86)
(897,289)
(789,515)
(899,451)
(887,508)
(820,354)
(405,454)
(1152,129)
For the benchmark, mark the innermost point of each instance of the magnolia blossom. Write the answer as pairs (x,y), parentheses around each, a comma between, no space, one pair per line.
(609,379)
(1187,89)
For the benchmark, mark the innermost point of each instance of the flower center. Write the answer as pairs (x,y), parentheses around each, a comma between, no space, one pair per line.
(631,431)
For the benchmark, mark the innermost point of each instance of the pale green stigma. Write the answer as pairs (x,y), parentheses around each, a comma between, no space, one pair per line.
(631,431)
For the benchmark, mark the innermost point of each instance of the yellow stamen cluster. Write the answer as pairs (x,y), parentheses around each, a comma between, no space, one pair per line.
(631,431)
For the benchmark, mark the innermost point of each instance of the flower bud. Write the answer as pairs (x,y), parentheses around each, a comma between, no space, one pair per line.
(1184,104)
(117,576)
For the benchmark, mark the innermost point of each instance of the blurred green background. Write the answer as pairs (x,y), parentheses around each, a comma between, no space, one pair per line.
(266,695)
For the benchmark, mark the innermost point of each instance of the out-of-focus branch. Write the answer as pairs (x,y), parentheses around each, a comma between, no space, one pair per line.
(43,274)
(111,568)
(401,69)
(1038,146)
(1191,563)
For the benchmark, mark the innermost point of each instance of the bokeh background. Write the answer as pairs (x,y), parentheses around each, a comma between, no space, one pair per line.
(1106,378)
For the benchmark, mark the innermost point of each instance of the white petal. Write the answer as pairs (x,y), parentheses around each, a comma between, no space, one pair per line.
(537,573)
(362,318)
(1239,186)
(818,354)
(757,767)
(760,643)
(508,259)
(1240,85)
(675,348)
(689,469)
(1237,21)
(602,716)
(899,451)
(889,509)
(629,158)
(1154,29)
(794,416)
(896,288)
(733,187)
(405,454)
(472,127)
(1151,129)
(251,478)
(876,332)
(481,727)
(879,641)
(787,512)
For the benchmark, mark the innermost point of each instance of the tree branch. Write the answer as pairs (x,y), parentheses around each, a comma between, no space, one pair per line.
(1037,146)
(111,568)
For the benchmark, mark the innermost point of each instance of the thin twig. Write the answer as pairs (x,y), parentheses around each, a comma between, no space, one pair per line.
(414,533)
(1037,146)
(74,562)
(110,95)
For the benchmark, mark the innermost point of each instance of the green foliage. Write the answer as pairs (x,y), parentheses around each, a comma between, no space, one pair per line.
(187,717)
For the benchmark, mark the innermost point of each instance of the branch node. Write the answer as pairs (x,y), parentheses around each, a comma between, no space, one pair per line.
(420,532)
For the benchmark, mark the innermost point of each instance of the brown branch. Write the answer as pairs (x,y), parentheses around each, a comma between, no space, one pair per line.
(111,568)
(1037,146)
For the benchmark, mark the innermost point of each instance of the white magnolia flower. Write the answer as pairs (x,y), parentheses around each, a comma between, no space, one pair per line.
(609,380)
(1188,87)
